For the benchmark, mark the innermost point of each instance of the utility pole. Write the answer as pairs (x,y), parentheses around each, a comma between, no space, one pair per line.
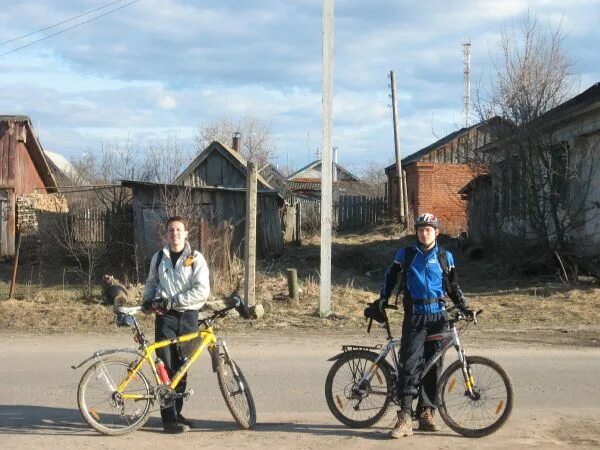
(326,175)
(250,247)
(467,58)
(397,148)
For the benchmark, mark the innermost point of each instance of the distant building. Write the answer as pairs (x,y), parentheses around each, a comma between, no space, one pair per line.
(569,136)
(306,182)
(436,174)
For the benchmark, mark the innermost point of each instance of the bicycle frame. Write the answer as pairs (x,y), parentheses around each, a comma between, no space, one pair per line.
(208,340)
(449,339)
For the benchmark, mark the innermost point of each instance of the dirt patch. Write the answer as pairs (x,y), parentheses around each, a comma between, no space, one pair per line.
(515,308)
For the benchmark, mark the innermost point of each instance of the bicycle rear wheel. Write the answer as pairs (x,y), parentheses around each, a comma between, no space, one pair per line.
(491,406)
(353,405)
(103,408)
(236,392)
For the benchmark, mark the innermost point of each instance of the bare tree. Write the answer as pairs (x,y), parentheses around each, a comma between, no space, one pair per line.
(80,235)
(373,174)
(165,160)
(544,175)
(531,77)
(257,141)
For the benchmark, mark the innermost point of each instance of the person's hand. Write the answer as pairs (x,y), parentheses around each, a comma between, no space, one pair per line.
(381,304)
(166,304)
(465,311)
(147,307)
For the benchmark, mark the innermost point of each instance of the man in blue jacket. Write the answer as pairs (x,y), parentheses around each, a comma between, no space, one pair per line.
(428,272)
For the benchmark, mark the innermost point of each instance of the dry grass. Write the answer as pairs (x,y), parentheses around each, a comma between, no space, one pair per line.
(359,262)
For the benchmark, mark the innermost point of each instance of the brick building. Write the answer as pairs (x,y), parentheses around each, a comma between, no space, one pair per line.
(436,174)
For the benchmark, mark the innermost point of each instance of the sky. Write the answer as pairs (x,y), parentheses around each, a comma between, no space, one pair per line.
(159,69)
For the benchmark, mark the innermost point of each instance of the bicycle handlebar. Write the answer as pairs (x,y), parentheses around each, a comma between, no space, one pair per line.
(237,304)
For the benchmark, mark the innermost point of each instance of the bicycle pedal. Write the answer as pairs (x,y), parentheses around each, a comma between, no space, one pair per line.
(188,394)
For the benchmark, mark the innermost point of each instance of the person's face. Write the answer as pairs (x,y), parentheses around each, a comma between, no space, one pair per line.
(427,236)
(176,235)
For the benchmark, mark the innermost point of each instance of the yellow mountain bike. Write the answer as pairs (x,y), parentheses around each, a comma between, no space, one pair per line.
(116,394)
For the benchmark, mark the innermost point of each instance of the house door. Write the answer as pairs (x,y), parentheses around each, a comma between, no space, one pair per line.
(3,223)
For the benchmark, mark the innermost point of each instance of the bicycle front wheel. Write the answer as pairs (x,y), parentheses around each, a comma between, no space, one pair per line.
(358,406)
(104,409)
(490,406)
(236,392)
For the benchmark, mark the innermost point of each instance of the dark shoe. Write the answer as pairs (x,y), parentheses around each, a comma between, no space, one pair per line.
(403,426)
(175,428)
(426,422)
(184,421)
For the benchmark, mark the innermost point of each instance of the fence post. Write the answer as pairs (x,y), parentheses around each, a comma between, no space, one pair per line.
(292,278)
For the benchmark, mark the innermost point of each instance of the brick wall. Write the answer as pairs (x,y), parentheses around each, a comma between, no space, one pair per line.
(434,188)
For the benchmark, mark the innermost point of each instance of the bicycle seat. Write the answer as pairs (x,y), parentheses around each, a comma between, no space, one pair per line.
(129,310)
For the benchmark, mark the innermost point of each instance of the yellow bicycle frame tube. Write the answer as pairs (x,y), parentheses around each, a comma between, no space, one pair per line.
(208,340)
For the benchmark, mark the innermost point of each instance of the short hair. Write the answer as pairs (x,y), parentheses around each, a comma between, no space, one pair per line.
(176,219)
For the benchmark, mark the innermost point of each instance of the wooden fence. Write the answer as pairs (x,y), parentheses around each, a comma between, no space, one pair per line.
(355,212)
(88,226)
(349,213)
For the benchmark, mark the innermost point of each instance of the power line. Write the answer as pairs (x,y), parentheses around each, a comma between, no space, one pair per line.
(69,28)
(59,23)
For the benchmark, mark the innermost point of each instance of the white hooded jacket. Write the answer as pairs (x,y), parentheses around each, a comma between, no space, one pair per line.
(187,284)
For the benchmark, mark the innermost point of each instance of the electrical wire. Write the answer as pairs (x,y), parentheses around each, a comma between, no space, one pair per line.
(59,23)
(69,28)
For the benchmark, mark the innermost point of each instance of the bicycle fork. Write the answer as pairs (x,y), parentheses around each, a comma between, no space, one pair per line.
(468,378)
(220,348)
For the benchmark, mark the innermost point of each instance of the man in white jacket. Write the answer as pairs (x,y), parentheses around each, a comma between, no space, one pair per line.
(179,278)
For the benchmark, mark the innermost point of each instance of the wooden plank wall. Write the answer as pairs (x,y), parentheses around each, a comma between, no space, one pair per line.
(356,212)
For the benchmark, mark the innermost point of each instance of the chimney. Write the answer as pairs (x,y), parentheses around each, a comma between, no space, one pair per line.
(236,141)
(335,150)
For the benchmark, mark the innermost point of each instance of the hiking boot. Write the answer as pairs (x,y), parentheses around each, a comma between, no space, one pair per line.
(175,428)
(182,420)
(403,426)
(426,422)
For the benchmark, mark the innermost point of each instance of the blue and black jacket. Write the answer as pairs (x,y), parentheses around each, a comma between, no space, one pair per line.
(426,282)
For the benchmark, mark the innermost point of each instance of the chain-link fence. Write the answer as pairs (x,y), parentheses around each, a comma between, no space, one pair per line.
(75,250)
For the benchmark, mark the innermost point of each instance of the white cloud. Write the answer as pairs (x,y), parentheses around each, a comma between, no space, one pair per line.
(167,102)
(161,67)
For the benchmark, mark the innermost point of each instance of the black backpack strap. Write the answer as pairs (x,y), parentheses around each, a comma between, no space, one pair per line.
(159,258)
(410,254)
(443,260)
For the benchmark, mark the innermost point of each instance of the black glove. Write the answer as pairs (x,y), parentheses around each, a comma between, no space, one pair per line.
(166,304)
(463,307)
(147,306)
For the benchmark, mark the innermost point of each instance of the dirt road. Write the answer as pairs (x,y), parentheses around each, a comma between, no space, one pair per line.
(557,393)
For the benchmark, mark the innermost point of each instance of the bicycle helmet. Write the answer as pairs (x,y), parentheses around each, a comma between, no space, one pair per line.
(427,219)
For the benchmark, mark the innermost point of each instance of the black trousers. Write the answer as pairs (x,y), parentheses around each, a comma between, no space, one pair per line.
(414,352)
(169,326)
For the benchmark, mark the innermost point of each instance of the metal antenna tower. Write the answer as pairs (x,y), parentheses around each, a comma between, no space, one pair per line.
(467,57)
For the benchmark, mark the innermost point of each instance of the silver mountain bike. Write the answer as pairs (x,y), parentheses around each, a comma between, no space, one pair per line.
(475,394)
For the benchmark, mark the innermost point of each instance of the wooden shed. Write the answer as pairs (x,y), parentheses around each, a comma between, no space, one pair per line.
(153,203)
(220,166)
(23,170)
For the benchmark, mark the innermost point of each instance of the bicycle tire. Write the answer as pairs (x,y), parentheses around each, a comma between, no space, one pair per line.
(101,410)
(236,392)
(343,402)
(465,415)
